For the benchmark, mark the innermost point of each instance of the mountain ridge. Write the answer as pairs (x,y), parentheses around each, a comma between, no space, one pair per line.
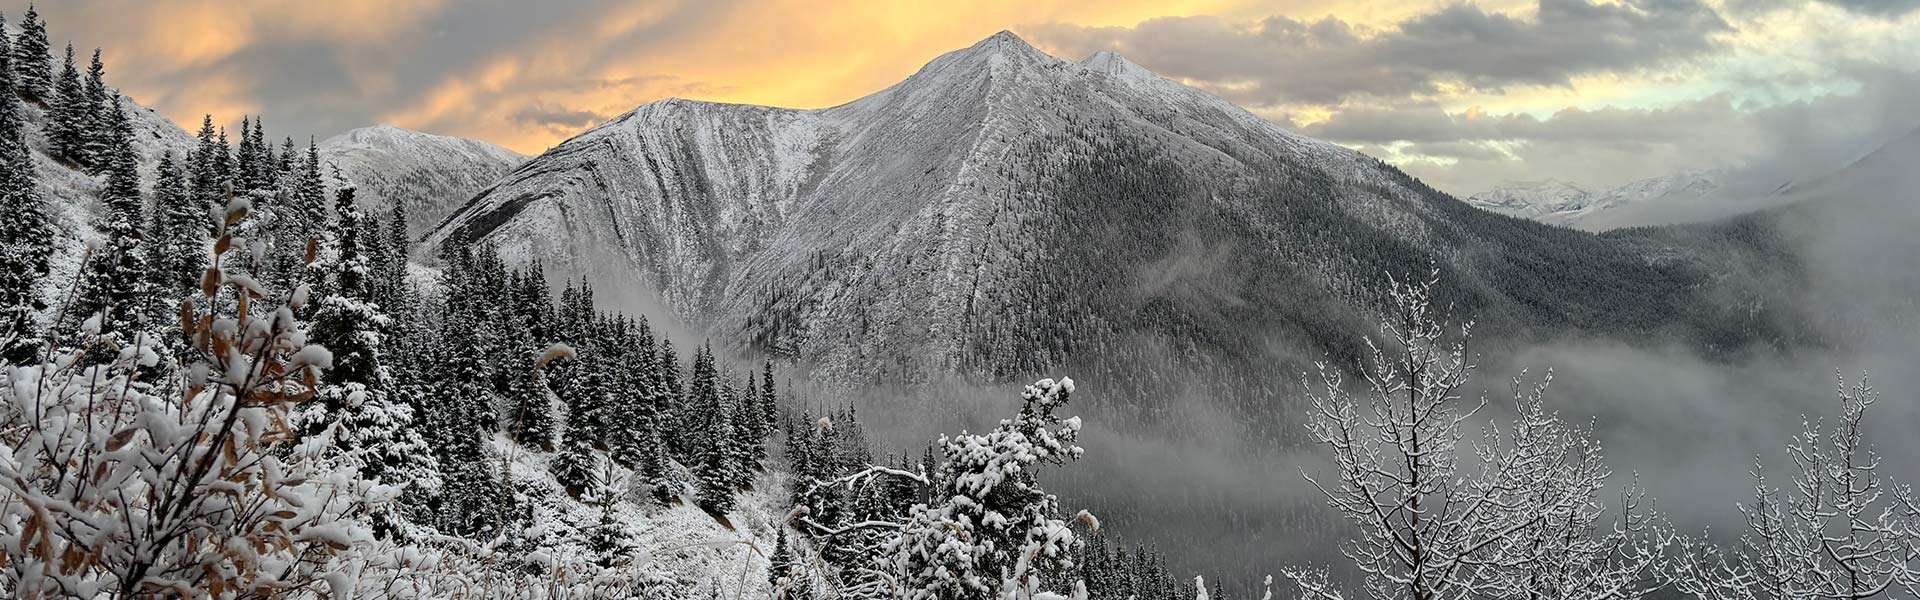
(892,237)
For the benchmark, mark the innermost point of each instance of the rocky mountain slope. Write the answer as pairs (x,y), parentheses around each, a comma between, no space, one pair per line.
(1003,212)
(434,174)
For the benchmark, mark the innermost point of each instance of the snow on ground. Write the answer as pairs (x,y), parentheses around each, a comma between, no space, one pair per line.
(681,539)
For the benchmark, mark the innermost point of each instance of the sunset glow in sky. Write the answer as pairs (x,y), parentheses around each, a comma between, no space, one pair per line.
(1462,94)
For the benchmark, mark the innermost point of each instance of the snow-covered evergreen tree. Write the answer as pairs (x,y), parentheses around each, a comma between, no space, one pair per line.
(608,538)
(994,529)
(113,285)
(309,205)
(98,139)
(30,56)
(354,410)
(577,465)
(717,470)
(26,234)
(179,235)
(699,407)
(69,115)
(203,167)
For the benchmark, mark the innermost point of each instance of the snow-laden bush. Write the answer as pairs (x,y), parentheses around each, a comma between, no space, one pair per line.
(113,485)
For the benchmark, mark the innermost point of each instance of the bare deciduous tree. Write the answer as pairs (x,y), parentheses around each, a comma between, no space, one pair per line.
(1841,530)
(1519,516)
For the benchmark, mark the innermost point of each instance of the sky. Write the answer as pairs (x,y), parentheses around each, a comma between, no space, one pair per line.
(1464,94)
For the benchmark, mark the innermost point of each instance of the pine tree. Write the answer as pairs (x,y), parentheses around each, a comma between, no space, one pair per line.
(738,443)
(576,466)
(700,407)
(114,278)
(179,236)
(98,139)
(655,467)
(717,469)
(369,429)
(769,407)
(608,538)
(202,173)
(68,117)
(785,573)
(30,57)
(26,234)
(534,423)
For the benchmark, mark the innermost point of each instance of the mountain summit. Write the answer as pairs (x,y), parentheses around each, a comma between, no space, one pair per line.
(434,174)
(1003,212)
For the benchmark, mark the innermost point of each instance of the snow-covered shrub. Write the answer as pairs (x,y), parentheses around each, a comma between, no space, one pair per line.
(111,485)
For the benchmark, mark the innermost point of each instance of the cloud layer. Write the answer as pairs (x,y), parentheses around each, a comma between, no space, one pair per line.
(1463,94)
(1594,92)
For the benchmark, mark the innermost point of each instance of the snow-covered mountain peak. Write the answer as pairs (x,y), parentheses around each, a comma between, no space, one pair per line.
(1005,43)
(434,174)
(1562,203)
(1534,197)
(998,52)
(389,137)
(1113,64)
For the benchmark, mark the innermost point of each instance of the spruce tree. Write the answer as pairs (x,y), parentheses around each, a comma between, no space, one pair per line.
(608,538)
(283,165)
(222,160)
(673,398)
(243,158)
(30,57)
(575,467)
(786,572)
(700,407)
(534,423)
(179,236)
(256,160)
(769,408)
(753,415)
(68,117)
(737,444)
(202,174)
(114,278)
(655,467)
(98,135)
(391,288)
(26,234)
(371,430)
(717,467)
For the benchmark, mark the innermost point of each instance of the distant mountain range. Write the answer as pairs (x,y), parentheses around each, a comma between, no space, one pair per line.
(1560,203)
